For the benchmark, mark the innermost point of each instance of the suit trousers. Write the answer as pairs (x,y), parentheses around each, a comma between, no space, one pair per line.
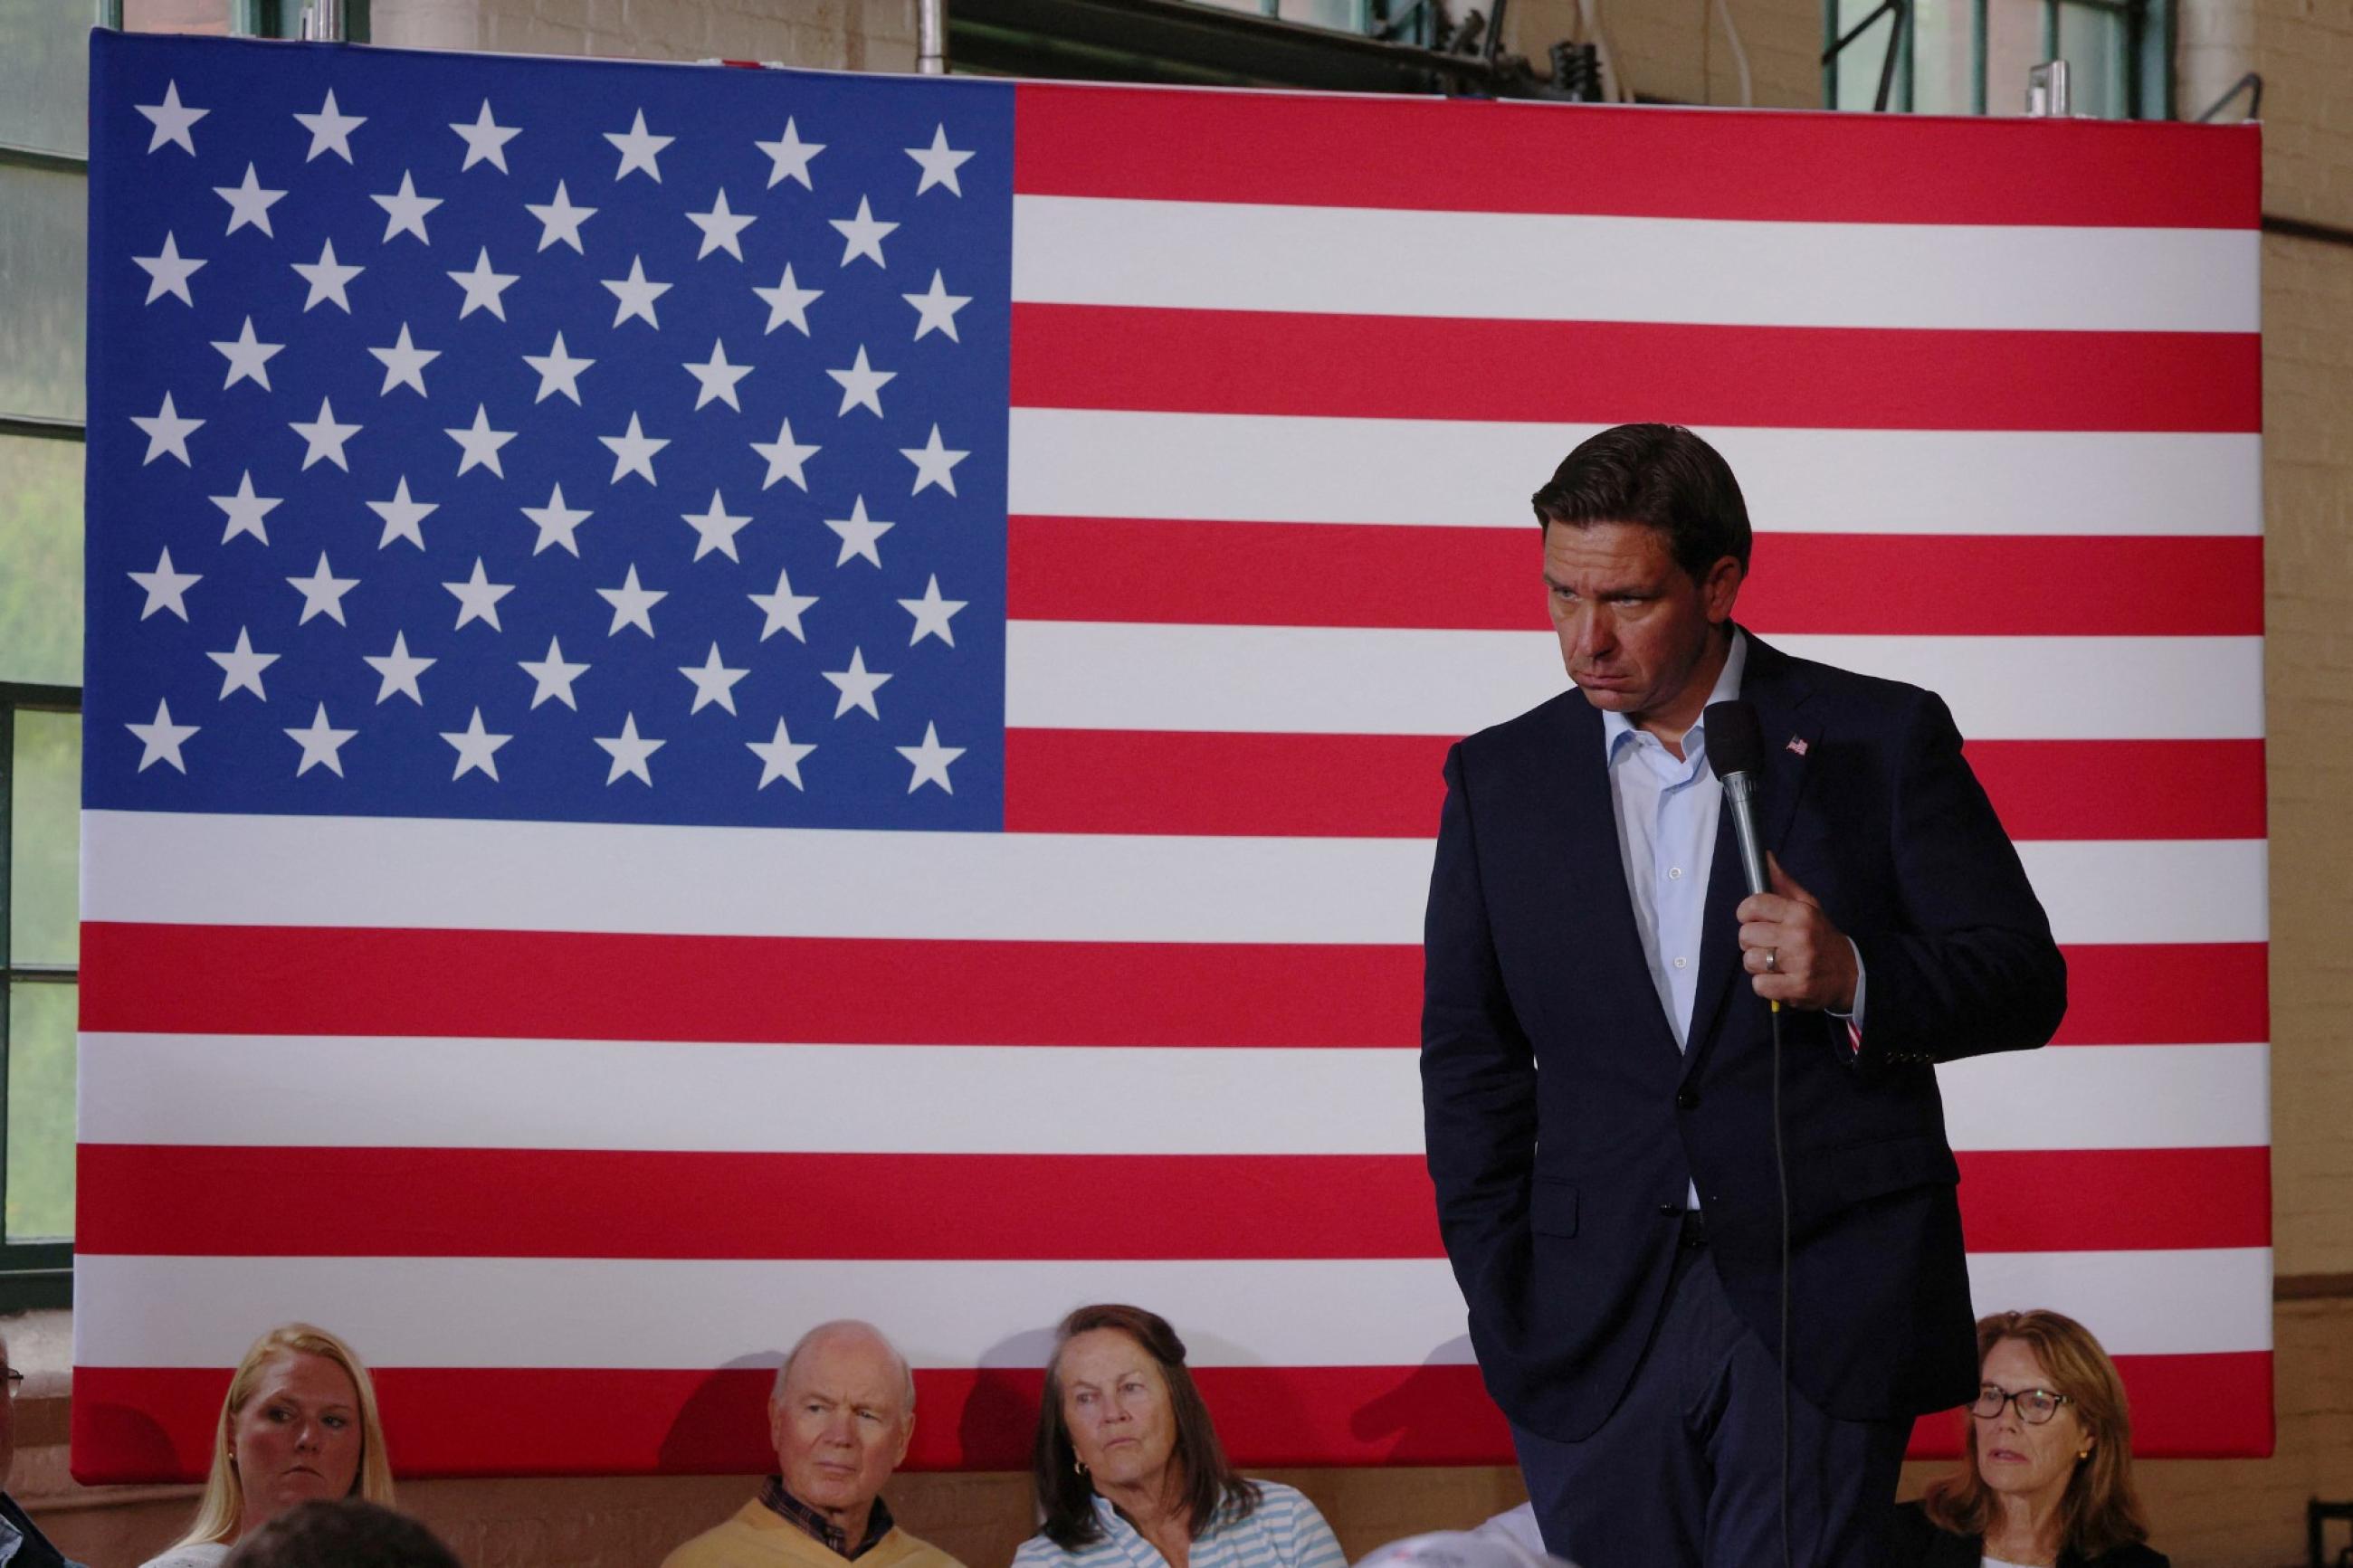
(1686,1471)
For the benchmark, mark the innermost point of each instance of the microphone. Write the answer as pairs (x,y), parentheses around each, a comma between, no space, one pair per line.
(1736,750)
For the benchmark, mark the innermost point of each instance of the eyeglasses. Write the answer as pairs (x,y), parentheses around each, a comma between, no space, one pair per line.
(2035,1405)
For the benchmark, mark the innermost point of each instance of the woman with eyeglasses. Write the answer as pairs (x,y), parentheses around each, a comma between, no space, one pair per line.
(2046,1468)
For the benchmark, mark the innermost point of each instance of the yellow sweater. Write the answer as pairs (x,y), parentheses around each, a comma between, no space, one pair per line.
(758,1538)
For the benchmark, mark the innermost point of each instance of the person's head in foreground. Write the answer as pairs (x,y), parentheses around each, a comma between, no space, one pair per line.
(1501,1542)
(22,1544)
(344,1533)
(298,1423)
(840,1414)
(1646,542)
(2046,1471)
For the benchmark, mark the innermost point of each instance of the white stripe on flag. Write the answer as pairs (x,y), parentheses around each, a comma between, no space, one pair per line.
(1545,267)
(453,874)
(1127,675)
(1073,462)
(224,1090)
(574,1312)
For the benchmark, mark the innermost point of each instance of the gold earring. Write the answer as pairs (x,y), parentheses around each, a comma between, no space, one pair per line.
(2083,1454)
(1077,1468)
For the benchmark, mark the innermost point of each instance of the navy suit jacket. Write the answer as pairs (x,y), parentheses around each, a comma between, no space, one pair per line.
(1563,1124)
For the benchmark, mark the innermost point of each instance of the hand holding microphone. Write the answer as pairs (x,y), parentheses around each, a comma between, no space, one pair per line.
(1794,955)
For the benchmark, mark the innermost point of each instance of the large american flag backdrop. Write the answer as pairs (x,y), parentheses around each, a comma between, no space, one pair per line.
(720,698)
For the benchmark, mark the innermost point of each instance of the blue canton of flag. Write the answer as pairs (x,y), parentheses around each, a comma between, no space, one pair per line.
(463,443)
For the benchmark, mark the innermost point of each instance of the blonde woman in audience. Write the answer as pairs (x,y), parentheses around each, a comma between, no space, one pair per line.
(2046,1472)
(299,1421)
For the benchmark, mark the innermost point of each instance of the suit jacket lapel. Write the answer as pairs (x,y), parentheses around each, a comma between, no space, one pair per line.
(1773,684)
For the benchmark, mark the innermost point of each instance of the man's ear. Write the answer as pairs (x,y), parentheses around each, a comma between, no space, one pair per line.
(906,1436)
(776,1426)
(1721,587)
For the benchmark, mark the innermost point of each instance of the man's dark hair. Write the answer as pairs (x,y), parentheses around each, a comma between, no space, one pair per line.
(344,1533)
(1657,475)
(1066,1497)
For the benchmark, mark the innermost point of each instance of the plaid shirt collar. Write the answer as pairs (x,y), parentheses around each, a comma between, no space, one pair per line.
(777,1500)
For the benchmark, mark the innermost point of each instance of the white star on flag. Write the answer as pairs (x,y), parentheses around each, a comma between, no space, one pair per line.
(402,516)
(718,378)
(241,668)
(785,458)
(937,309)
(939,162)
(481,444)
(861,385)
(483,287)
(858,534)
(161,738)
(560,221)
(559,371)
(166,588)
(716,530)
(632,604)
(557,522)
(486,142)
(639,149)
(171,120)
(322,745)
(863,235)
(628,749)
(249,203)
(780,758)
(784,608)
(326,438)
(245,509)
(323,592)
(331,130)
(404,364)
(326,278)
(477,598)
(166,432)
(788,301)
(248,358)
(933,614)
(934,464)
(633,452)
(635,294)
(553,677)
(399,670)
(722,229)
(788,153)
(857,684)
(168,273)
(931,760)
(714,682)
(477,747)
(405,210)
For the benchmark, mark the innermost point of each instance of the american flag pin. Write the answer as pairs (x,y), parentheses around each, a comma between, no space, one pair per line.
(1797,744)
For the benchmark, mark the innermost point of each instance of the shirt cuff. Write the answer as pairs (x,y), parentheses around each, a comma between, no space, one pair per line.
(1854,1017)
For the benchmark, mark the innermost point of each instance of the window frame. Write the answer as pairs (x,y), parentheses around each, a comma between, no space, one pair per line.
(2149,33)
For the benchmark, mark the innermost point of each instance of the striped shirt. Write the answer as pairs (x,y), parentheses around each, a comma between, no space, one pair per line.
(1283,1531)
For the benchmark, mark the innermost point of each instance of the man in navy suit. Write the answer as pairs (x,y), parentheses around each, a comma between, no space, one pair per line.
(1597,1057)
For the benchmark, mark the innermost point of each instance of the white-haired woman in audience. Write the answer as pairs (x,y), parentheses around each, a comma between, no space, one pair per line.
(1127,1466)
(299,1421)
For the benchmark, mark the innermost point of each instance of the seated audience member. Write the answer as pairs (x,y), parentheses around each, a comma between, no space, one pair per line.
(344,1533)
(2046,1470)
(1127,1465)
(1506,1541)
(840,1415)
(300,1423)
(22,1544)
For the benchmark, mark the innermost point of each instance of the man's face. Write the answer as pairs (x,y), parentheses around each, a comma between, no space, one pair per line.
(841,1424)
(1634,628)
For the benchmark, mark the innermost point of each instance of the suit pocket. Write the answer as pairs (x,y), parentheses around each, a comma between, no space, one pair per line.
(1866,1171)
(1552,1208)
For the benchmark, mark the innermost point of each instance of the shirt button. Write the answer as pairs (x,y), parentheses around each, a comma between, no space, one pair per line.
(1680,963)
(1673,872)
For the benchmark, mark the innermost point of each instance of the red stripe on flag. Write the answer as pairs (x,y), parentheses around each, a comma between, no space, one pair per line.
(1663,163)
(286,980)
(1414,367)
(202,1200)
(1389,787)
(155,1423)
(1321,574)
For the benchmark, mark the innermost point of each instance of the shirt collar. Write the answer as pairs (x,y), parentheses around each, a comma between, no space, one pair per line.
(1616,729)
(782,1504)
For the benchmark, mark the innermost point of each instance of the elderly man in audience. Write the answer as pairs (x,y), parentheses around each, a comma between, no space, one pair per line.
(22,1544)
(843,1410)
